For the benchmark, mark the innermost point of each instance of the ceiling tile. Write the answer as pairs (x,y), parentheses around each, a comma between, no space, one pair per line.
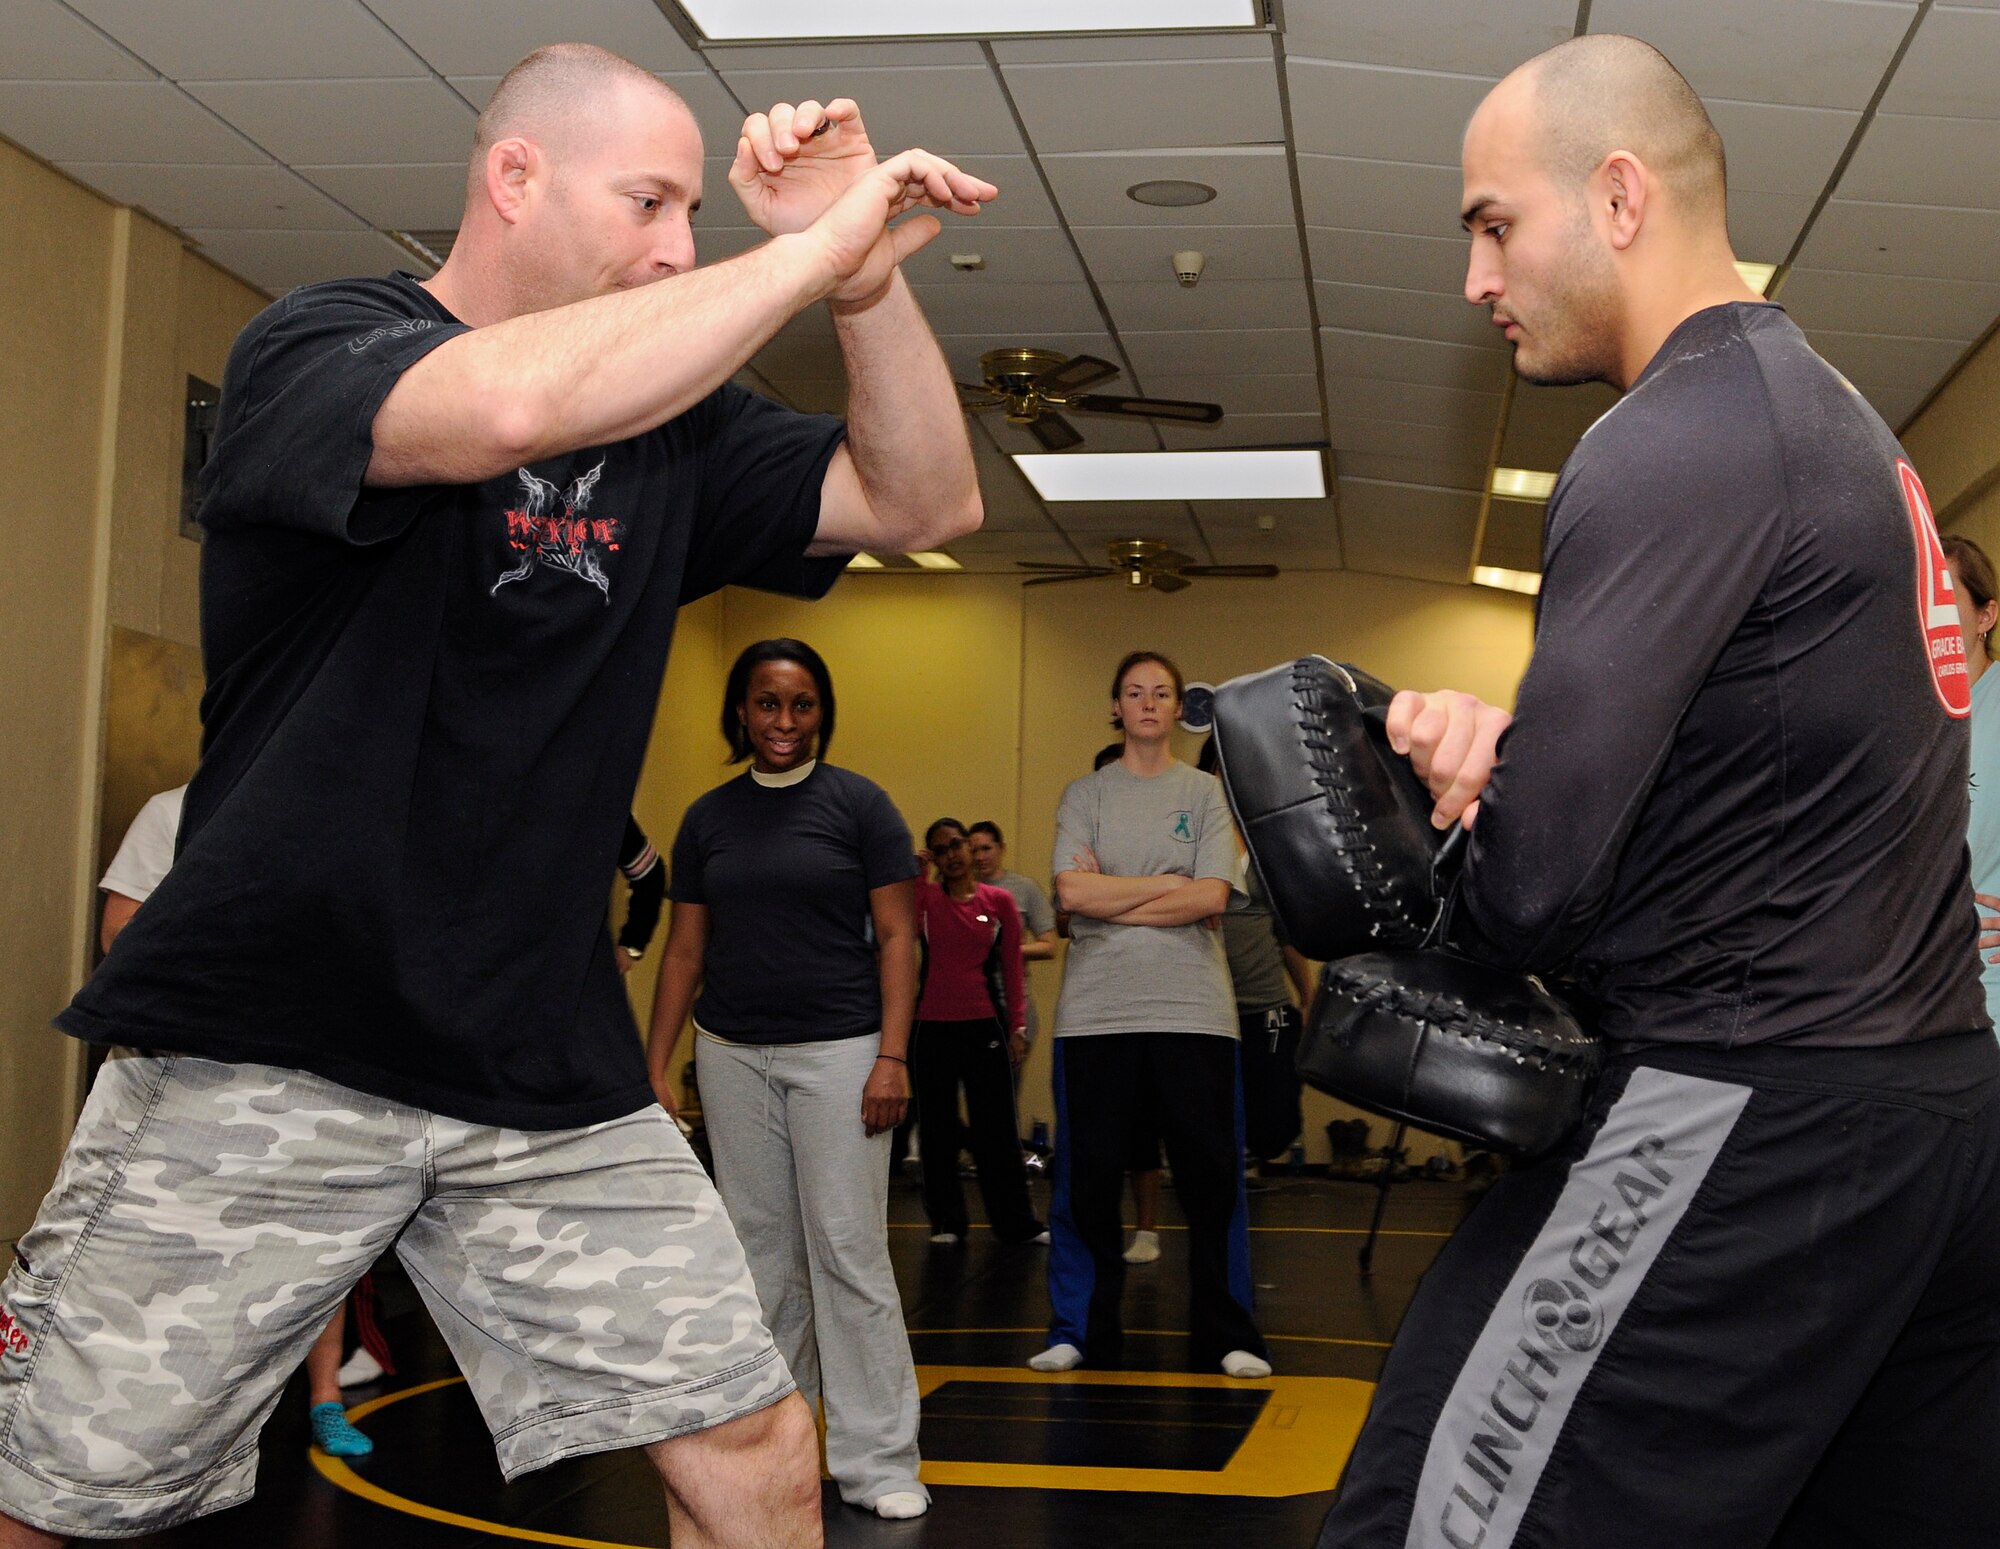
(1949,68)
(346,123)
(1011,312)
(1100,432)
(716,113)
(712,244)
(1413,470)
(1423,361)
(1945,161)
(1513,535)
(1013,254)
(1810,53)
(1011,502)
(1253,187)
(1763,227)
(1268,394)
(1485,39)
(1384,258)
(791,356)
(1022,202)
(1223,352)
(430,197)
(140,122)
(276,261)
(1140,253)
(1884,361)
(1237,430)
(1878,303)
(268,198)
(1420,314)
(1162,103)
(1894,404)
(300,39)
(1381,114)
(999,553)
(1094,528)
(1231,304)
(1408,530)
(951,110)
(1904,239)
(1133,46)
(1383,196)
(1383,438)
(1559,413)
(1780,150)
(842,56)
(1302,554)
(50,42)
(1291,520)
(489,37)
(1411,404)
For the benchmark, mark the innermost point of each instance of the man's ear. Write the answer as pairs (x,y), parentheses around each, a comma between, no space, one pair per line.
(513,165)
(1623,190)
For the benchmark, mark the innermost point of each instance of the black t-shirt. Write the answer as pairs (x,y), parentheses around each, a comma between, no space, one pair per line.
(1733,801)
(785,873)
(425,716)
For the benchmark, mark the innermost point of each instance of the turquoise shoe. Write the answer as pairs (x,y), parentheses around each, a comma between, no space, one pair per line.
(334,1436)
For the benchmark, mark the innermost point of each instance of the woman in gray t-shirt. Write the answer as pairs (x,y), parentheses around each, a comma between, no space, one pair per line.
(1145,1035)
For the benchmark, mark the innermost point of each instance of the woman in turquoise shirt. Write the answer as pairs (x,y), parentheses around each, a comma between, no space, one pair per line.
(1973,583)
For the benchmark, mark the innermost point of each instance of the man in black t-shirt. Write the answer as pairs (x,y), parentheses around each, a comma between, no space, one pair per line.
(449,523)
(1757,1298)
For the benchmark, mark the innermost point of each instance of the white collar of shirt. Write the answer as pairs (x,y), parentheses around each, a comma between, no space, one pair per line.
(789,777)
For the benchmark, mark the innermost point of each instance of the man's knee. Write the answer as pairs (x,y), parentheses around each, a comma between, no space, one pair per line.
(778,1445)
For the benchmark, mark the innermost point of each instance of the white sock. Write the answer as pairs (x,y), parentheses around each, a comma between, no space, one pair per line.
(361,1367)
(1145,1247)
(1057,1358)
(1241,1363)
(898,1504)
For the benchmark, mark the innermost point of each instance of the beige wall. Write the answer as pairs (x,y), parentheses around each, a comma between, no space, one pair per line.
(975,697)
(1955,444)
(104,314)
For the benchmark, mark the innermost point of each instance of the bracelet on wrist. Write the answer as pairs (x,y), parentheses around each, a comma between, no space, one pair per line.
(896,1057)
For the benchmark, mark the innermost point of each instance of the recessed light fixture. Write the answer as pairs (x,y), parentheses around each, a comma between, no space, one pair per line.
(1175,475)
(1522,484)
(865,562)
(767,20)
(1170,193)
(1756,276)
(1507,580)
(936,559)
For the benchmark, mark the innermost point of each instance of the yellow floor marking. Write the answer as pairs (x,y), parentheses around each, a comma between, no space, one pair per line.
(1298,1445)
(1309,1231)
(1175,1333)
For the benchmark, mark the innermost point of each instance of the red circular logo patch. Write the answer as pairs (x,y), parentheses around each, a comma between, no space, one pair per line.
(1937,603)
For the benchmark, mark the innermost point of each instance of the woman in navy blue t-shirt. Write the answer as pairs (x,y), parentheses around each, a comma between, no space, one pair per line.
(793,916)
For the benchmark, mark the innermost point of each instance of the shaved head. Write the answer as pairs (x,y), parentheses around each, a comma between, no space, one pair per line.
(1602,93)
(560,92)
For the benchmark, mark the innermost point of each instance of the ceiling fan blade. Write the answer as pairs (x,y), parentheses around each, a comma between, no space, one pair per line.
(1148,408)
(972,398)
(1166,581)
(1063,570)
(1075,374)
(1170,559)
(1230,572)
(1054,433)
(1051,580)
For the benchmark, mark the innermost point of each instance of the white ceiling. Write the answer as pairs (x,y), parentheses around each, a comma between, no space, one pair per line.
(1864,152)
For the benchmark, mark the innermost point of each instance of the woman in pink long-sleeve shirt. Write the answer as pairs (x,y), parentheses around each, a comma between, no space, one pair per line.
(971,1017)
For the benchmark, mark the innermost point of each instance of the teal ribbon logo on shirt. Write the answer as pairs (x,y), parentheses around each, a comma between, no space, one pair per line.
(1184,827)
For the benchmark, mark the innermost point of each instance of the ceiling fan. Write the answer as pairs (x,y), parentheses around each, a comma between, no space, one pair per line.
(1033,386)
(1146,562)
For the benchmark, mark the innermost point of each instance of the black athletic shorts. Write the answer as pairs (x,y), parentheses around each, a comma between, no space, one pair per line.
(1756,1300)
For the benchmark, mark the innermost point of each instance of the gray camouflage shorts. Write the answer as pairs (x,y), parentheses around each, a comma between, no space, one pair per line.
(207,1220)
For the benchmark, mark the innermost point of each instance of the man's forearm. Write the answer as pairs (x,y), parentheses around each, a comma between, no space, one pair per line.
(593,372)
(905,429)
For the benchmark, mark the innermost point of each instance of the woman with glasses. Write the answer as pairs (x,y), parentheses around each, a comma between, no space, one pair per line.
(970,1033)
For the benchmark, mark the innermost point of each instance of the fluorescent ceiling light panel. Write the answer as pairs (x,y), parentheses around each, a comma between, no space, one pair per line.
(937,559)
(1522,484)
(1756,276)
(1507,580)
(1175,475)
(865,562)
(763,21)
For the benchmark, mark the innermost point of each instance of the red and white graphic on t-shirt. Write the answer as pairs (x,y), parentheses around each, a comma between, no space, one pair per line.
(550,525)
(1937,601)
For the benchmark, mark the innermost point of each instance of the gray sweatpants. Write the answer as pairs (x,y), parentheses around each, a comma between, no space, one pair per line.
(808,1192)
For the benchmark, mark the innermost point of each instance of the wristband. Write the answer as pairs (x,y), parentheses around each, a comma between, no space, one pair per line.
(896,1057)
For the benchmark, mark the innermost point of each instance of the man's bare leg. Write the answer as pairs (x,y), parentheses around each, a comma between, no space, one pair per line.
(749,1483)
(18,1535)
